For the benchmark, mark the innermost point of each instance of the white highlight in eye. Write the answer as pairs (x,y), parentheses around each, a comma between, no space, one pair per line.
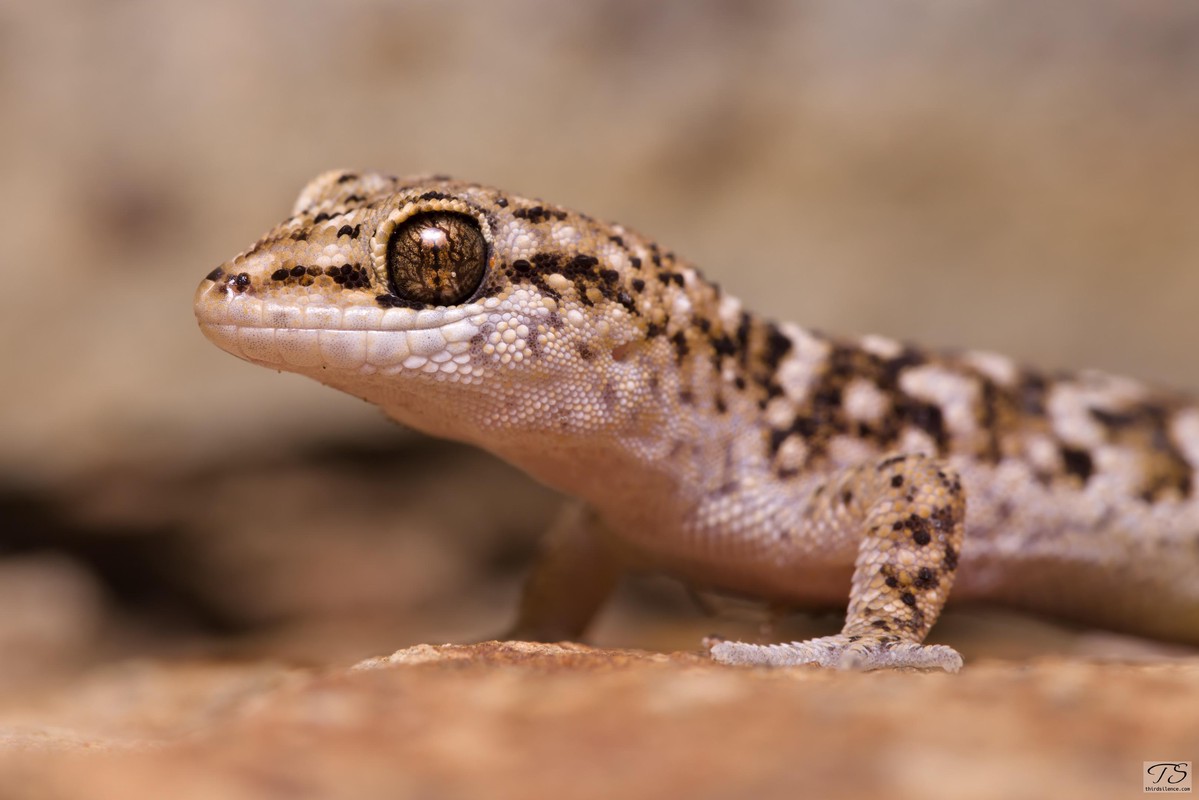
(432,237)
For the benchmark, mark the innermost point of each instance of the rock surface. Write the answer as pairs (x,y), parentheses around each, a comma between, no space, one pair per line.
(515,720)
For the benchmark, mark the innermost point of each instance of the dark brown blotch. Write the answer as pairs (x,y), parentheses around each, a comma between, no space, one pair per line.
(778,345)
(943,519)
(679,340)
(926,579)
(538,214)
(950,561)
(1078,463)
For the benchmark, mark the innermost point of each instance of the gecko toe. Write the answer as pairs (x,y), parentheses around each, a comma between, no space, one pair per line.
(840,652)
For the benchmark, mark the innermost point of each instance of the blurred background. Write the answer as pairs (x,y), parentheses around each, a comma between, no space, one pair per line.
(1019,177)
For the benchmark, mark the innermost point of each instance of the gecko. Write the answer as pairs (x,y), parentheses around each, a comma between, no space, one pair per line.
(696,438)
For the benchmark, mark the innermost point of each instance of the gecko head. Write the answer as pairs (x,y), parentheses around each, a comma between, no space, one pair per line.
(457,308)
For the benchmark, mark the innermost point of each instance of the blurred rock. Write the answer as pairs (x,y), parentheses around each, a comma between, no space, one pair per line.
(518,720)
(51,615)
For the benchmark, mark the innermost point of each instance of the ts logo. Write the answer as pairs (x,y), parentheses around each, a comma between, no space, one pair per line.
(1167,776)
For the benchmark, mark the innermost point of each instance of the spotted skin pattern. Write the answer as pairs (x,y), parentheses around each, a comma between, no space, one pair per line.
(702,440)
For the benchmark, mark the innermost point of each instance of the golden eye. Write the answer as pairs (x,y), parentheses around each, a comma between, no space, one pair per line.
(437,258)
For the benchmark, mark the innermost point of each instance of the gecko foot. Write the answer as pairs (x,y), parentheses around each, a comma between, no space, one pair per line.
(839,652)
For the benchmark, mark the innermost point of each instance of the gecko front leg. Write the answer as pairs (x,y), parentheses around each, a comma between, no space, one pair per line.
(575,571)
(910,511)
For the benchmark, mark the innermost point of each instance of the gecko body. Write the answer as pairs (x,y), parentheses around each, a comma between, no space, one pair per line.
(707,442)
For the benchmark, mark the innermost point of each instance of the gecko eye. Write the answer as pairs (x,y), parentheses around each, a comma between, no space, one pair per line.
(437,258)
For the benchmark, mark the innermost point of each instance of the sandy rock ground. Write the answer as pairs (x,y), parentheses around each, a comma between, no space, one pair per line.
(521,720)
(194,551)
